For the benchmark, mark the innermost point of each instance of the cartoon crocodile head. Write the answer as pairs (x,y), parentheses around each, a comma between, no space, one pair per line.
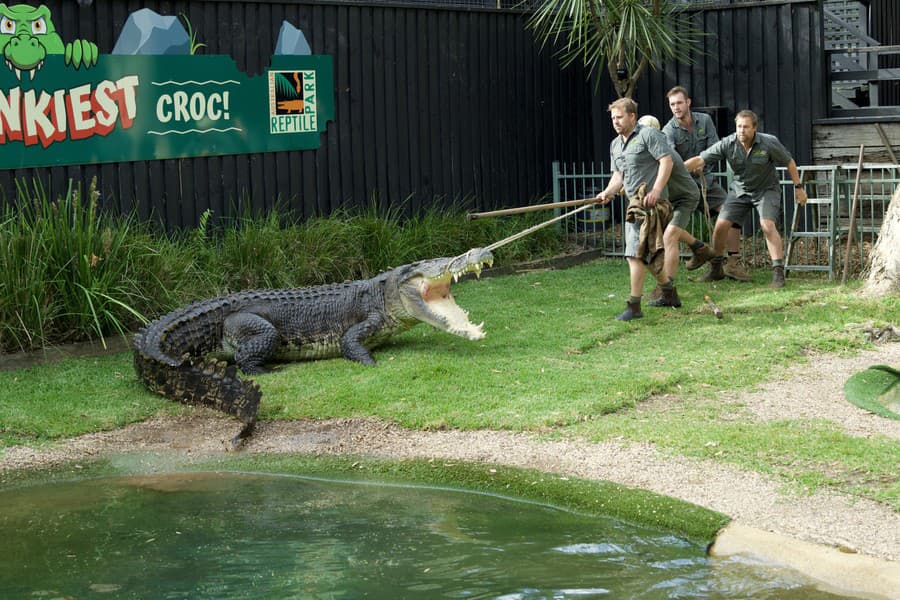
(27,36)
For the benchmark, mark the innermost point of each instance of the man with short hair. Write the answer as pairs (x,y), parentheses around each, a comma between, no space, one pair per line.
(753,157)
(689,133)
(639,155)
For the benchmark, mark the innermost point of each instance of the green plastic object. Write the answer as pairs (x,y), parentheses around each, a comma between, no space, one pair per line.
(877,389)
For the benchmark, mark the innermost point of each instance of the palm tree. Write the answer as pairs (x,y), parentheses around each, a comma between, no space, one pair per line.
(625,35)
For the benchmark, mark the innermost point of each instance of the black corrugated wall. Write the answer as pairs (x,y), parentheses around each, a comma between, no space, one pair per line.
(763,56)
(431,106)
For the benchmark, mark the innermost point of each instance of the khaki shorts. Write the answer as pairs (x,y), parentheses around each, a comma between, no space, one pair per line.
(632,237)
(682,209)
(767,204)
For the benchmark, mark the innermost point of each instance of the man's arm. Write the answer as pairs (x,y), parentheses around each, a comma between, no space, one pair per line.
(662,178)
(614,186)
(799,192)
(695,164)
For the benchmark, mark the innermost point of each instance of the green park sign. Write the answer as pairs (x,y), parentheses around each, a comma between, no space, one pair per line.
(75,106)
(155,107)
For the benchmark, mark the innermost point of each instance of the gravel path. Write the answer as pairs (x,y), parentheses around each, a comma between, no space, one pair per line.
(803,392)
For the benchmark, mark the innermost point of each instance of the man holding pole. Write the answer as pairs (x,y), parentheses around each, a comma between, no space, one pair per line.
(689,133)
(752,157)
(639,155)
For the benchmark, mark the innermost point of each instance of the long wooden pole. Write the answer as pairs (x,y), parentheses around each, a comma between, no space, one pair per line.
(534,228)
(853,215)
(533,207)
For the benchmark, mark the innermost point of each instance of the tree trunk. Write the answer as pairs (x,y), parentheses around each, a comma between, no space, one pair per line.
(883,276)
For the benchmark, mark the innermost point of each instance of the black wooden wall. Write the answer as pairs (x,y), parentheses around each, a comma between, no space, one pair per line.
(763,56)
(437,105)
(432,105)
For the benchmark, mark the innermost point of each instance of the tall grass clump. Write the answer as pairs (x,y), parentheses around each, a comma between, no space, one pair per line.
(70,271)
(65,270)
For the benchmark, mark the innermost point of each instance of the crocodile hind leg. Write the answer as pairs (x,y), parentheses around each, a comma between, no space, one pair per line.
(352,342)
(253,338)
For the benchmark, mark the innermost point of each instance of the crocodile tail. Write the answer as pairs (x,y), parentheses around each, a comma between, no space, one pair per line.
(199,381)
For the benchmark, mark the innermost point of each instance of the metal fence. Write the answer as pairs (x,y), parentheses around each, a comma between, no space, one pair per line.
(812,236)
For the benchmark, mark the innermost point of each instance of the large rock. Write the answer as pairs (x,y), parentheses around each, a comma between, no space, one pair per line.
(291,42)
(146,32)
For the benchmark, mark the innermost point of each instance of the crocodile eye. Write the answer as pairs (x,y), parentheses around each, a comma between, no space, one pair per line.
(39,26)
(7,25)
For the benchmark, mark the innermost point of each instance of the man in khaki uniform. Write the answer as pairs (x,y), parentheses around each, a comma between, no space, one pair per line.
(640,156)
(689,133)
(752,157)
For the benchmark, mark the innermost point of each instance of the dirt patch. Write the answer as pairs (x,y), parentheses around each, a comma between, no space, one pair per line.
(811,391)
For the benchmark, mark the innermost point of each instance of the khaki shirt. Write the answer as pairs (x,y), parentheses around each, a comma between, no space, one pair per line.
(681,184)
(691,143)
(754,171)
(637,158)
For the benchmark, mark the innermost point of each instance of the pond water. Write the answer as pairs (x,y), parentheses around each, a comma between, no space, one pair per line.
(239,535)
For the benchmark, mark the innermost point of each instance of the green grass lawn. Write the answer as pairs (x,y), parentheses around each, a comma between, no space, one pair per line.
(554,361)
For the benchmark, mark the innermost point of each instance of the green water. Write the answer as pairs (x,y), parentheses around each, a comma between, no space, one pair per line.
(227,535)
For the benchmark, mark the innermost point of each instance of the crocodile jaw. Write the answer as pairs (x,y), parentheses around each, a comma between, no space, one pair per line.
(442,310)
(426,293)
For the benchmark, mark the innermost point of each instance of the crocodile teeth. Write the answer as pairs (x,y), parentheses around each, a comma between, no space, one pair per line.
(18,73)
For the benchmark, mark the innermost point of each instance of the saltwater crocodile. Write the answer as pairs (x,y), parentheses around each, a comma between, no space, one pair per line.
(179,354)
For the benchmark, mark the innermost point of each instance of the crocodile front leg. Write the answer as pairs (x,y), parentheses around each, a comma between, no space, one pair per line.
(253,338)
(352,342)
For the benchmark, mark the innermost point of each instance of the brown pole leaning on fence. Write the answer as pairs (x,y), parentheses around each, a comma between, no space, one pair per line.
(853,215)
(886,142)
(523,209)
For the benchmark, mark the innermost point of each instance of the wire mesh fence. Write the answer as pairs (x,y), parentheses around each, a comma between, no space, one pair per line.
(815,236)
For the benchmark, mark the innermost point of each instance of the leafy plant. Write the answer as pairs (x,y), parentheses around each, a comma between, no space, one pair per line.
(624,36)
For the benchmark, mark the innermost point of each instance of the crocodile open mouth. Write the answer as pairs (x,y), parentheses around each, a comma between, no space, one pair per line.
(435,303)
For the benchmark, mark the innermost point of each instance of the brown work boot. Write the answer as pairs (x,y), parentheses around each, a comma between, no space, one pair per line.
(735,270)
(632,311)
(716,272)
(701,255)
(669,298)
(777,277)
(656,294)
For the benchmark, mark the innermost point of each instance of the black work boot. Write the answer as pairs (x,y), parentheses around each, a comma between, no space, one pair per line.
(778,277)
(632,311)
(716,271)
(701,255)
(669,298)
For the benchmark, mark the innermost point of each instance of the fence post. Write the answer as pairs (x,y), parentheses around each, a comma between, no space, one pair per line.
(556,192)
